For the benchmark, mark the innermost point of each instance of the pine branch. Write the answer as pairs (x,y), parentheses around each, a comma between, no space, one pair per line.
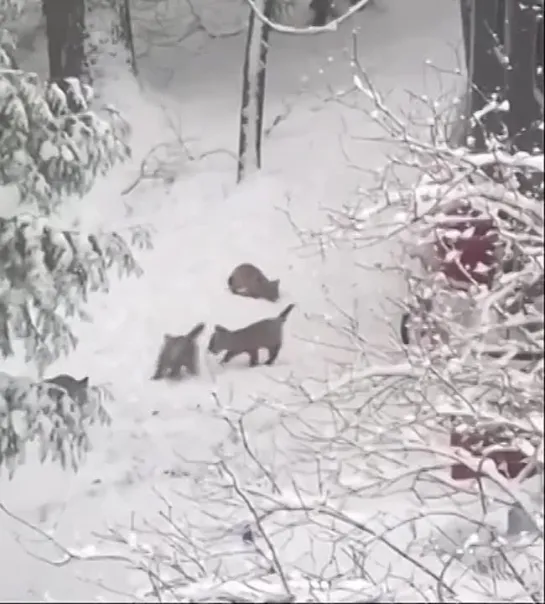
(48,275)
(52,145)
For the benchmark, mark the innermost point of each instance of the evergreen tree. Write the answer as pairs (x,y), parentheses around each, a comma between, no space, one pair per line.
(51,148)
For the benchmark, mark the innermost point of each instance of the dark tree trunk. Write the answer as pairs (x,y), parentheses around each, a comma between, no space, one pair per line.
(322,12)
(125,33)
(253,91)
(524,110)
(262,80)
(465,8)
(483,28)
(327,10)
(538,53)
(459,129)
(488,72)
(65,27)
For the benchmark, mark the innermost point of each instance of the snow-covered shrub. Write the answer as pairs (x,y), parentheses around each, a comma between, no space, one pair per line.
(52,146)
(473,230)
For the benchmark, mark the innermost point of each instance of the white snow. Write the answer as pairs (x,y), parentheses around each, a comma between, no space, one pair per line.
(202,226)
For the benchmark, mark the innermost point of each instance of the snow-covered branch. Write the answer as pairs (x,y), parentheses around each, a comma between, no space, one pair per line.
(308,30)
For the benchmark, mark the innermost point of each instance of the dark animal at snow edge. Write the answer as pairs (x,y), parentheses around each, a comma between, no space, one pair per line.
(247,280)
(178,352)
(76,389)
(266,333)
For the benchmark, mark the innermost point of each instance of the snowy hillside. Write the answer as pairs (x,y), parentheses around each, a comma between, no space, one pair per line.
(315,158)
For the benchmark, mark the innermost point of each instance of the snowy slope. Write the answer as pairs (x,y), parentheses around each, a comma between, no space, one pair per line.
(204,226)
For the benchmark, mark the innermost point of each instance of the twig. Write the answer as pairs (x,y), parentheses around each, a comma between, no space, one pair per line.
(69,555)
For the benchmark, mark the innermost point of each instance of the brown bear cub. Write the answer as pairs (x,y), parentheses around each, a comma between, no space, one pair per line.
(178,352)
(266,333)
(247,280)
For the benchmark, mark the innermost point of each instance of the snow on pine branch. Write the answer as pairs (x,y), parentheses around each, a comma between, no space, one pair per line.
(51,144)
(46,275)
(10,9)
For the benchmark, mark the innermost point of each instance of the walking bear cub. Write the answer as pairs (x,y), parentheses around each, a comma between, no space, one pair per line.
(266,333)
(178,352)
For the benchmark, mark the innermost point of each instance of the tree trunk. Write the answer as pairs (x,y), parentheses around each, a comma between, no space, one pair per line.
(483,28)
(322,12)
(253,91)
(488,71)
(125,33)
(465,10)
(65,28)
(524,109)
(538,53)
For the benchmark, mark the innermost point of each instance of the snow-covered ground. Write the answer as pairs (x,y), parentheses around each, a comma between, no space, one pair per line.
(203,226)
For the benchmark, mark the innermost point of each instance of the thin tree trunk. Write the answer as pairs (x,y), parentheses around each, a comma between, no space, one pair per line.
(488,71)
(65,28)
(125,33)
(460,127)
(66,33)
(253,92)
(482,24)
(322,12)
(465,13)
(524,110)
(538,53)
(497,15)
(56,16)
